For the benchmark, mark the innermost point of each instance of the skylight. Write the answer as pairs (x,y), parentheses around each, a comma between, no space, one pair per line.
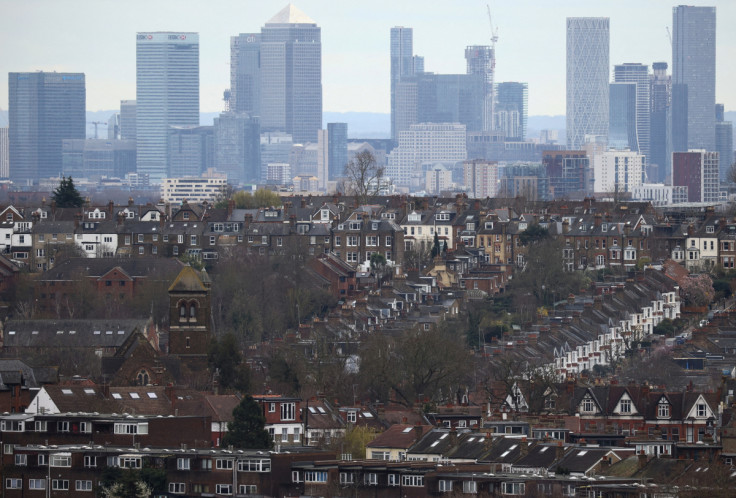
(135,396)
(117,396)
(121,332)
(108,332)
(66,391)
(312,410)
(97,332)
(443,436)
(408,429)
(152,395)
(581,453)
(89,391)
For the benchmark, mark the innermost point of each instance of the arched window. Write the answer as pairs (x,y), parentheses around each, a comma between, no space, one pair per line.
(193,311)
(143,379)
(182,311)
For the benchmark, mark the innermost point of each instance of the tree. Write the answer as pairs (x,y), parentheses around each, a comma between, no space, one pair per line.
(436,247)
(224,355)
(364,176)
(66,194)
(247,430)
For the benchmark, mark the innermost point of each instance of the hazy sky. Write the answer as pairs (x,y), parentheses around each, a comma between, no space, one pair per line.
(97,37)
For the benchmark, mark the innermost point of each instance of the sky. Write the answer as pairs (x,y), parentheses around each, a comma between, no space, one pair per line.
(97,37)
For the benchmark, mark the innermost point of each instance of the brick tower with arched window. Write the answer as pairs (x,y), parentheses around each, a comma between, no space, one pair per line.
(189,314)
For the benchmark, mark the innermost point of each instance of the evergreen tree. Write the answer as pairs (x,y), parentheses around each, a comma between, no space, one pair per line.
(66,194)
(436,248)
(247,430)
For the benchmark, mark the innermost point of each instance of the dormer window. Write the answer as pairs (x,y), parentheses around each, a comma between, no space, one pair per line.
(185,215)
(663,409)
(604,227)
(470,226)
(709,229)
(489,225)
(325,214)
(442,217)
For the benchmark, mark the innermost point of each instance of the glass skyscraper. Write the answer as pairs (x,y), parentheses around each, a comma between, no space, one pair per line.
(660,96)
(638,74)
(402,66)
(622,117)
(291,75)
(694,72)
(587,79)
(337,149)
(44,109)
(481,59)
(167,94)
(245,73)
(513,97)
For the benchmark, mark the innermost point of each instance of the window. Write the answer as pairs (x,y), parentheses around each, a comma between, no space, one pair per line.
(701,410)
(130,462)
(254,465)
(513,488)
(380,455)
(42,460)
(352,416)
(371,479)
(248,489)
(140,238)
(224,489)
(352,240)
(445,486)
(223,464)
(131,428)
(183,463)
(338,240)
(315,476)
(60,484)
(412,480)
(141,250)
(83,485)
(295,476)
(663,410)
(470,487)
(12,425)
(625,406)
(61,460)
(371,240)
(393,480)
(90,461)
(288,411)
(36,483)
(13,483)
(206,464)
(212,240)
(193,240)
(588,406)
(21,460)
(178,488)
(347,478)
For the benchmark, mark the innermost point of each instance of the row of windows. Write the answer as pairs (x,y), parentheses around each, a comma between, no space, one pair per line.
(56,484)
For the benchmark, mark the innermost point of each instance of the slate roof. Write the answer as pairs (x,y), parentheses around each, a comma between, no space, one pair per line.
(95,267)
(12,371)
(400,436)
(70,333)
(187,281)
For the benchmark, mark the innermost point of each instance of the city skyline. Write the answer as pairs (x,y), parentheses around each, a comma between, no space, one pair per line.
(356,60)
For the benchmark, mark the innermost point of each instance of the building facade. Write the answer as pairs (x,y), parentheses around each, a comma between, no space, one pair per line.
(724,142)
(513,101)
(622,129)
(617,171)
(237,147)
(191,150)
(245,73)
(337,149)
(480,178)
(291,75)
(402,66)
(587,78)
(660,90)
(4,152)
(167,94)
(178,190)
(97,158)
(698,171)
(43,109)
(639,75)
(694,70)
(481,60)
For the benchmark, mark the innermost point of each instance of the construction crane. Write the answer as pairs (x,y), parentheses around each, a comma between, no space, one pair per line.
(494,31)
(97,123)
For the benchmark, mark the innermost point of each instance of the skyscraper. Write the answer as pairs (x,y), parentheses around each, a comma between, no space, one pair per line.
(698,171)
(513,97)
(167,94)
(639,75)
(238,147)
(622,117)
(245,73)
(402,66)
(587,79)
(291,75)
(4,153)
(337,149)
(191,150)
(694,69)
(44,109)
(481,60)
(660,98)
(127,119)
(724,142)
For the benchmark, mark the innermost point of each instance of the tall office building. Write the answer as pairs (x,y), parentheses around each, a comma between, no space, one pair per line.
(245,73)
(275,148)
(660,90)
(724,142)
(587,79)
(694,77)
(238,147)
(639,75)
(191,150)
(513,100)
(568,172)
(44,109)
(622,117)
(402,66)
(167,94)
(481,60)
(4,153)
(337,149)
(127,119)
(291,75)
(698,171)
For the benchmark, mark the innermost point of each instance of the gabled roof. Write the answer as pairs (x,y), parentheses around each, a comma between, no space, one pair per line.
(400,436)
(187,281)
(70,333)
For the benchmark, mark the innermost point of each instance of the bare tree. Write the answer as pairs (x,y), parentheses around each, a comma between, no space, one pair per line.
(364,176)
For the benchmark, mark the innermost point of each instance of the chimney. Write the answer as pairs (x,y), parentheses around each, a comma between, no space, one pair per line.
(121,217)
(248,220)
(524,448)
(453,437)
(110,208)
(292,221)
(303,203)
(169,392)
(417,432)
(130,202)
(605,462)
(230,207)
(77,219)
(645,389)
(476,204)
(105,390)
(571,385)
(559,451)
(642,459)
(598,219)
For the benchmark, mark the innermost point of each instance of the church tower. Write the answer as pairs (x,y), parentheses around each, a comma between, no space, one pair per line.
(189,314)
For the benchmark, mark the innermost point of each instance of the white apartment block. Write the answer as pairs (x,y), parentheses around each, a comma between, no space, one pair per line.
(656,193)
(617,171)
(480,178)
(279,173)
(424,143)
(176,190)
(438,179)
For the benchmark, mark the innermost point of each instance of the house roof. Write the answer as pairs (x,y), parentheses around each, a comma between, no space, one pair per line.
(70,333)
(400,436)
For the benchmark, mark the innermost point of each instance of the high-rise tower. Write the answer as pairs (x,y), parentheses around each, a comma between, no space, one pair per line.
(587,79)
(245,73)
(638,74)
(44,109)
(291,75)
(660,89)
(512,98)
(167,94)
(694,77)
(402,66)
(482,60)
